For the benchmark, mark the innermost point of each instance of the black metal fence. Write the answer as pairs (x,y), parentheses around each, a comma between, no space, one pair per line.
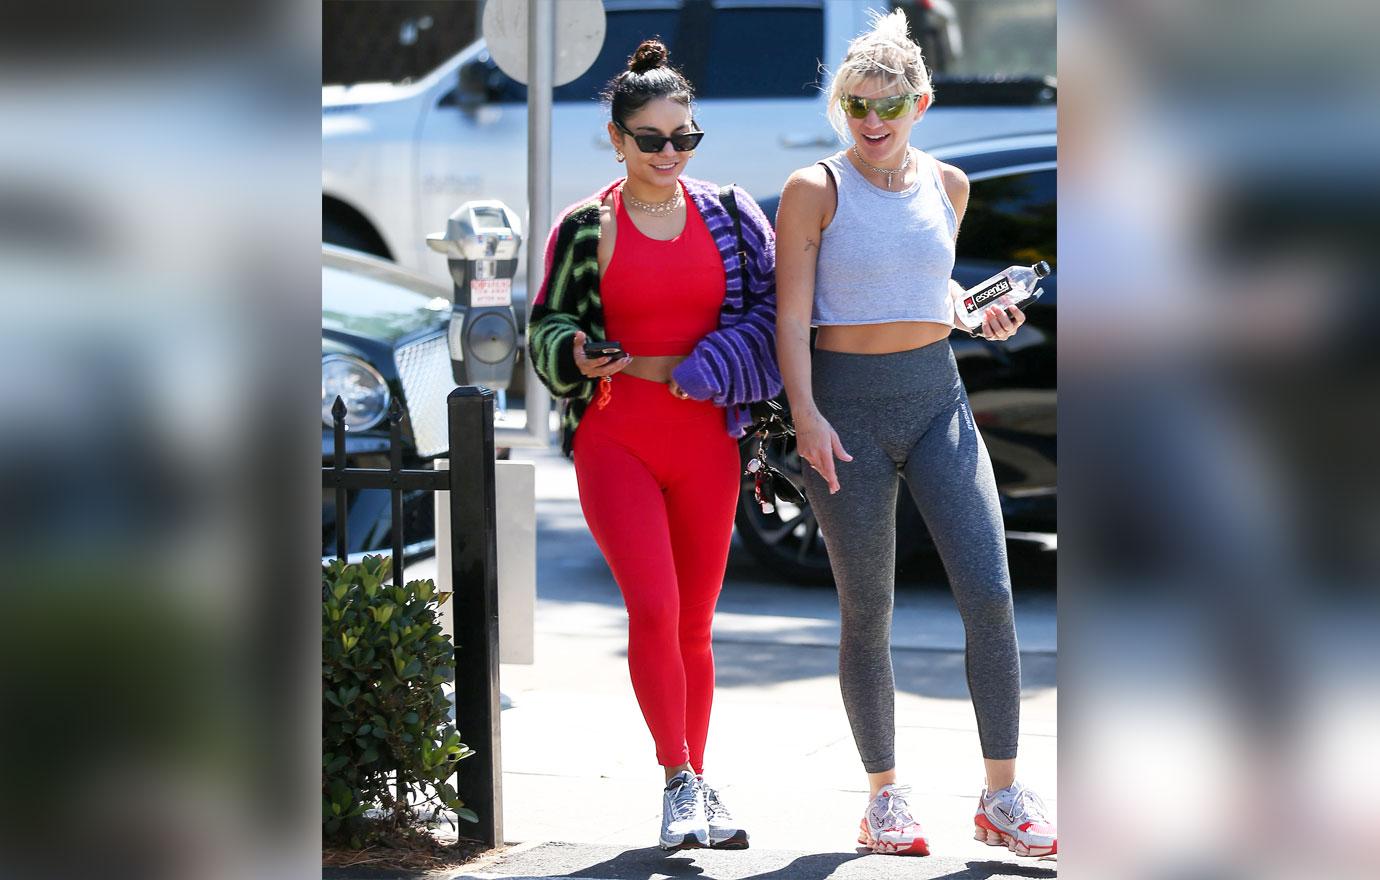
(474,574)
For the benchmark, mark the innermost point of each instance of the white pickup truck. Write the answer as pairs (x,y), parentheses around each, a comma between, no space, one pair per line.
(397,159)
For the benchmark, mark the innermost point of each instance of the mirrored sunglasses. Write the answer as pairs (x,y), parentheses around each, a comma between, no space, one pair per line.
(654,143)
(893,107)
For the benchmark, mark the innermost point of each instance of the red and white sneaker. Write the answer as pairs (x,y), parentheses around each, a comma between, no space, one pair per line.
(1017,819)
(888,827)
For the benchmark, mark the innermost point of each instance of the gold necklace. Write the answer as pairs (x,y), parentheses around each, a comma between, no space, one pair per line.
(887,171)
(665,207)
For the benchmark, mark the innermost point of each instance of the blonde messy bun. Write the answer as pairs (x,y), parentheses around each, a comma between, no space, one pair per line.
(885,52)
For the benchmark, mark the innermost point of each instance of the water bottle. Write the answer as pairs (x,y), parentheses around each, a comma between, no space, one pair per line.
(1016,286)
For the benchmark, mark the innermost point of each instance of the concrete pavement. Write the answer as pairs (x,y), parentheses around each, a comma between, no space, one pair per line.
(581,786)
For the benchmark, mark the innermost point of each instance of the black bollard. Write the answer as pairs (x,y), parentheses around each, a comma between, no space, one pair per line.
(474,579)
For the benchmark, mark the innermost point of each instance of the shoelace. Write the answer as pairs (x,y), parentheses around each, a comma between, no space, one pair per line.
(1030,806)
(683,801)
(712,806)
(897,809)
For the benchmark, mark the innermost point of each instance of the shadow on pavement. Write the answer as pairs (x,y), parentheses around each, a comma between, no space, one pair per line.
(571,569)
(926,673)
(984,870)
(816,866)
(643,864)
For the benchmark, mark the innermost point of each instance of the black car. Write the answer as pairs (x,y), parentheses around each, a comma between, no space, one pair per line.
(383,336)
(1012,385)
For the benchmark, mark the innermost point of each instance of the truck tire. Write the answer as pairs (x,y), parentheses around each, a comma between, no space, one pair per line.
(787,541)
(339,232)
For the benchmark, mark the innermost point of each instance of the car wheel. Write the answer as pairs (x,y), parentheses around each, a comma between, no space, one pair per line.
(786,541)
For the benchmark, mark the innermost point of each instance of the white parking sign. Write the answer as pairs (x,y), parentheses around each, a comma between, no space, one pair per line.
(491,291)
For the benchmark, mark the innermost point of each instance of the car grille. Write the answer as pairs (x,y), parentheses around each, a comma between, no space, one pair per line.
(424,368)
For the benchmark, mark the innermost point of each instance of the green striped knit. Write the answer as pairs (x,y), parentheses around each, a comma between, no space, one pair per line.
(568,302)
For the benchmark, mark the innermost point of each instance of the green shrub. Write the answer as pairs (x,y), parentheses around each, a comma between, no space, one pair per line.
(384,657)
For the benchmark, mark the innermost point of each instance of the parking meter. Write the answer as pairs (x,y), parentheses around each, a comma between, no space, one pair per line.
(481,245)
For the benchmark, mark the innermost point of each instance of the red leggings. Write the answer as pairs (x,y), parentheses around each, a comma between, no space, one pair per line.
(658,483)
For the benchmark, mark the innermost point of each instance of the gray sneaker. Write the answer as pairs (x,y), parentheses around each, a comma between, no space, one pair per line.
(683,821)
(724,833)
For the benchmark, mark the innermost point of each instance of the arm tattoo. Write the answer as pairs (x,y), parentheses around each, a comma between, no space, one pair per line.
(810,243)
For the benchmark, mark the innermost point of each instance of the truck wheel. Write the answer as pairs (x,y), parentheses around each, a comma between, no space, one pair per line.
(337,232)
(787,542)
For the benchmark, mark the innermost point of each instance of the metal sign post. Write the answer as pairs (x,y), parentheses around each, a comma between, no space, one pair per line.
(522,38)
(541,68)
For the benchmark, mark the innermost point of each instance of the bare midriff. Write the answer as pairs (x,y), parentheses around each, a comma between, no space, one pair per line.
(654,369)
(880,338)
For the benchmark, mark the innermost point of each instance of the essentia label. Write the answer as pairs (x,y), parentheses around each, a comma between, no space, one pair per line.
(977,299)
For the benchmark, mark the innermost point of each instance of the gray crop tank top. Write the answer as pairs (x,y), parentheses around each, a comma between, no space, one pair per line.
(886,256)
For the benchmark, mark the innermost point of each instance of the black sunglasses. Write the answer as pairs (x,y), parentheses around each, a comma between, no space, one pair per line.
(654,143)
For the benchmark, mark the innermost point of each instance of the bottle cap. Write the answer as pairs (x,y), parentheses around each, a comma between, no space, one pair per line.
(1041,269)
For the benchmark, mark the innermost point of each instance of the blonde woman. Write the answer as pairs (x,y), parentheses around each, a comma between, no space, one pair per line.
(865,252)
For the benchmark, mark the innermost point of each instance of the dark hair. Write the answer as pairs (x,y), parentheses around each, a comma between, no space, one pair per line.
(648,76)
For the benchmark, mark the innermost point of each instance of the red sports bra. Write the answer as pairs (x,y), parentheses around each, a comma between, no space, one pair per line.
(662,297)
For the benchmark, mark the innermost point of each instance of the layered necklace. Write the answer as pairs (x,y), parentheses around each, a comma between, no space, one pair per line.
(657,208)
(889,172)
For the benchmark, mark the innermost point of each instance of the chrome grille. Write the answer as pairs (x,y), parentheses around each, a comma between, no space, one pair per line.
(424,368)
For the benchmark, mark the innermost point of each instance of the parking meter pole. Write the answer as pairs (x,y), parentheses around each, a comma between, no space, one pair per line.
(541,71)
(474,580)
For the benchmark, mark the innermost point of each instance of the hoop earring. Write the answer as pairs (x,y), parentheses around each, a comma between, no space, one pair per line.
(618,154)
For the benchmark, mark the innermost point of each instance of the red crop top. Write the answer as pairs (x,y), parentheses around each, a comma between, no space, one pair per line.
(662,297)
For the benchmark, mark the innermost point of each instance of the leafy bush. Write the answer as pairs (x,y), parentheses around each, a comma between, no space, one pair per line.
(384,658)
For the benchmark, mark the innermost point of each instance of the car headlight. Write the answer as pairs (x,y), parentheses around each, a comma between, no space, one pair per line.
(359,385)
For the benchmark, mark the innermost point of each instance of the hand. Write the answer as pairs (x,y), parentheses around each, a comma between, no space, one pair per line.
(596,368)
(676,390)
(818,444)
(1000,324)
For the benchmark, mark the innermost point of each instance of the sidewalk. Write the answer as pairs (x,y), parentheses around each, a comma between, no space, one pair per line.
(581,788)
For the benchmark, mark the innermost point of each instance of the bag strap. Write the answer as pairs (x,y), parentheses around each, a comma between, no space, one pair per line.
(730,203)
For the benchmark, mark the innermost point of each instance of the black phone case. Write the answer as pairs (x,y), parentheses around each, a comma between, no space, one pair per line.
(604,349)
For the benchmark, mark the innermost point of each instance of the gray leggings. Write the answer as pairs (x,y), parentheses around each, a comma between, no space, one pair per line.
(907,414)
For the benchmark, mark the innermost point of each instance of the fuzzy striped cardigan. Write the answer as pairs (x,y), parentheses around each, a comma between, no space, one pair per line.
(732,366)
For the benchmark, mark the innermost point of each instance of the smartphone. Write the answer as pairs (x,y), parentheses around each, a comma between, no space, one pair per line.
(606,348)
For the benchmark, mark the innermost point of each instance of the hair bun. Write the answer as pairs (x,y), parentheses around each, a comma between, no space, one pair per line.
(650,54)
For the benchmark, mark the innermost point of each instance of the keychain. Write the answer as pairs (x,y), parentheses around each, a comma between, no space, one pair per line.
(768,482)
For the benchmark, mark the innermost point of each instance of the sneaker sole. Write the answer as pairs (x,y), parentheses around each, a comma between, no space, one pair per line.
(917,847)
(689,841)
(991,835)
(737,841)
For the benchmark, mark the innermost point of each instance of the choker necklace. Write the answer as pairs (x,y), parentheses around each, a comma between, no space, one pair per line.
(887,171)
(665,207)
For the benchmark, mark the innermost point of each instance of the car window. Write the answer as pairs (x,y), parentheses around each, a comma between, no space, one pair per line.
(1011,219)
(736,65)
(623,31)
(984,38)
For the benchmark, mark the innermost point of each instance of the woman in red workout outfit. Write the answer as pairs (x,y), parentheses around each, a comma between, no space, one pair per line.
(653,262)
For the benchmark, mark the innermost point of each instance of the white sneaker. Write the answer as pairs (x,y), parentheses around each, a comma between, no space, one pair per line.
(1017,819)
(724,833)
(888,827)
(683,821)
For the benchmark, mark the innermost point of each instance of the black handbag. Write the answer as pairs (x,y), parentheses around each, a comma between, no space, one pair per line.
(770,418)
